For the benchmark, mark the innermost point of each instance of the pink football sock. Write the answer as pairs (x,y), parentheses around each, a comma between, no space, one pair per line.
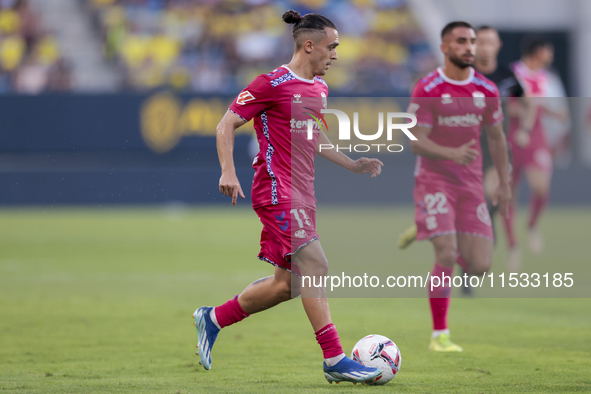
(536,207)
(439,296)
(509,221)
(328,339)
(229,313)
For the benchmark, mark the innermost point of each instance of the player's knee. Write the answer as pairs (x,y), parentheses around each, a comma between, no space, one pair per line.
(480,267)
(295,287)
(446,255)
(539,191)
(317,266)
(284,290)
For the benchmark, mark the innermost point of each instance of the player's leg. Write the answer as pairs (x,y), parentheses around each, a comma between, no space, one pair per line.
(313,264)
(475,234)
(446,252)
(435,217)
(407,237)
(514,253)
(539,184)
(491,184)
(477,252)
(267,292)
(258,296)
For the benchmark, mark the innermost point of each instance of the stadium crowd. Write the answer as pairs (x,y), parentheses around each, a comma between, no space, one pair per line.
(30,58)
(220,45)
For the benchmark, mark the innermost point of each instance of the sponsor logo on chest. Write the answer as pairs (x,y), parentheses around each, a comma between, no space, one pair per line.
(468,120)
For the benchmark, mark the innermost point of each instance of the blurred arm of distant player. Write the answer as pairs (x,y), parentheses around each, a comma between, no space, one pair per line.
(359,166)
(562,115)
(526,110)
(229,184)
(425,147)
(497,144)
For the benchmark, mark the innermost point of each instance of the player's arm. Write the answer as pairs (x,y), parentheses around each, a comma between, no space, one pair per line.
(229,184)
(425,147)
(562,114)
(527,112)
(497,144)
(360,166)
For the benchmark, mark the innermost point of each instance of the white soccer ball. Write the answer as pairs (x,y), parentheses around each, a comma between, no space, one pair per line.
(377,351)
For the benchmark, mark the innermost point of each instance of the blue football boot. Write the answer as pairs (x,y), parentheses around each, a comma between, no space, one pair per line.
(207,333)
(348,370)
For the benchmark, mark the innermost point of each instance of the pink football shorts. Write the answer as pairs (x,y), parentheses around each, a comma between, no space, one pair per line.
(285,230)
(442,208)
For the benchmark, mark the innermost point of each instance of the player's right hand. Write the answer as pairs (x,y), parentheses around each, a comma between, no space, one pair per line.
(230,186)
(465,154)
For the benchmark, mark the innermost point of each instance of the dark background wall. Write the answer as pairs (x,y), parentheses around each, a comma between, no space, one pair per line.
(96,150)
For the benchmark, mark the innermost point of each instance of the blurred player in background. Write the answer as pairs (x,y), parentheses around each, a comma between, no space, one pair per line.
(531,152)
(488,46)
(487,50)
(452,104)
(283,194)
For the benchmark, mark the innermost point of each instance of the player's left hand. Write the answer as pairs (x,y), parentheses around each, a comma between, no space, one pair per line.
(502,199)
(367,166)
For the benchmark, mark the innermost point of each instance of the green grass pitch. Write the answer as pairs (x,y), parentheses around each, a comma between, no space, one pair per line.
(100,301)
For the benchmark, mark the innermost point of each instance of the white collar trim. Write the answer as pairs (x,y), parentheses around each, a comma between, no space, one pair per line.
(297,76)
(453,81)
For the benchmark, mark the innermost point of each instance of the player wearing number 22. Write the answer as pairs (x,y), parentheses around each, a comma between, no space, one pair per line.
(451,105)
(283,193)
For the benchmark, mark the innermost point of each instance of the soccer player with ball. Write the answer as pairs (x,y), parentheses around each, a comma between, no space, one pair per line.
(283,195)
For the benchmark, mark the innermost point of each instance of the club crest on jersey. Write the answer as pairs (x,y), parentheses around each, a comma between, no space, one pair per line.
(244,97)
(324,100)
(483,215)
(446,98)
(297,98)
(479,99)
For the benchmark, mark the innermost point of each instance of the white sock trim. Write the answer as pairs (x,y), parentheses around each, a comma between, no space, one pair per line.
(334,360)
(213,318)
(437,333)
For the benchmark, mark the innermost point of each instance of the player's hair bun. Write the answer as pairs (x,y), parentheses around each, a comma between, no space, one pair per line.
(292,17)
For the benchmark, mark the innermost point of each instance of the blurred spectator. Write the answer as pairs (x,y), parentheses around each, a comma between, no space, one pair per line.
(216,46)
(30,58)
(32,77)
(59,77)
(219,46)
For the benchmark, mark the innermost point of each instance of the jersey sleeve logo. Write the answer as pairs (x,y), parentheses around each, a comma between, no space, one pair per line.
(244,97)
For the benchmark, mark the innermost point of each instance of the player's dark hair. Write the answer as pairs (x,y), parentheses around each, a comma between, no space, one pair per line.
(485,27)
(531,44)
(452,25)
(309,23)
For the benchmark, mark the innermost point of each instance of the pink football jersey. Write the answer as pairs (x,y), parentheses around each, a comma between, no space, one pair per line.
(284,166)
(455,110)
